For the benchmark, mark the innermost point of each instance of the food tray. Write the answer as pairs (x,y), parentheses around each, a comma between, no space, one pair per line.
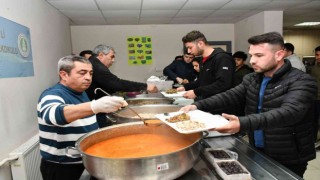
(219,154)
(210,121)
(226,164)
(178,94)
(232,170)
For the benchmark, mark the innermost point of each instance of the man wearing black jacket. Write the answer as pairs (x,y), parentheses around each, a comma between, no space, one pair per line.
(103,57)
(278,105)
(217,68)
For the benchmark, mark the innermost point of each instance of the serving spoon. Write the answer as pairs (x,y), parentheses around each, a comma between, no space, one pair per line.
(147,122)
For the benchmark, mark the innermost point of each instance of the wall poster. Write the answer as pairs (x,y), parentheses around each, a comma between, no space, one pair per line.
(15,50)
(139,50)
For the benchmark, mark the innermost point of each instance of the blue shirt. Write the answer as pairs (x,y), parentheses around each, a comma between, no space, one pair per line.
(258,134)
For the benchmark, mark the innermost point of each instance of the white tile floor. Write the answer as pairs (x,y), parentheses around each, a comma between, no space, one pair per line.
(313,169)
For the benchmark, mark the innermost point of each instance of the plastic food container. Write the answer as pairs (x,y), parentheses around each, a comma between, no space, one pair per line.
(226,164)
(162,85)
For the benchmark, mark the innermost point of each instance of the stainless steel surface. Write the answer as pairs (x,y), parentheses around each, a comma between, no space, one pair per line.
(148,100)
(260,166)
(167,166)
(125,115)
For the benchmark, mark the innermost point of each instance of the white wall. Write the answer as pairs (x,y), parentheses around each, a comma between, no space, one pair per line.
(260,23)
(50,40)
(166,43)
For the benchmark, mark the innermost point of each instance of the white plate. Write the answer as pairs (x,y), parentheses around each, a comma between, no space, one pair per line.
(210,121)
(178,94)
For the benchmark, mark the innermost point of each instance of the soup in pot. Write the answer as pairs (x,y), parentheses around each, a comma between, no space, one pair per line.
(138,145)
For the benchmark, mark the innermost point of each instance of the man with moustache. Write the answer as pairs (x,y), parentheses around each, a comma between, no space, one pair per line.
(65,113)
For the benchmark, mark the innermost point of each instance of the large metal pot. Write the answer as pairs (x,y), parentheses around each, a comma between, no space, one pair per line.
(126,115)
(165,166)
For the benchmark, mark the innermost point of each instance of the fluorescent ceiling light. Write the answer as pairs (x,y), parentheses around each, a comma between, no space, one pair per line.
(308,24)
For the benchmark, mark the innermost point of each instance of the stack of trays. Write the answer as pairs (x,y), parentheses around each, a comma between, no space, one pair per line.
(226,164)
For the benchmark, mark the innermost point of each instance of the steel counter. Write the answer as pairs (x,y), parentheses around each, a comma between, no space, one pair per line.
(260,166)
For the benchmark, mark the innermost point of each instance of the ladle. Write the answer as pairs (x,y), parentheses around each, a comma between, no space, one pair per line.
(147,122)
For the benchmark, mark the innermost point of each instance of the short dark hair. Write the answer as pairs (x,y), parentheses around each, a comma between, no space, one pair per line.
(289,47)
(240,54)
(178,57)
(197,59)
(317,49)
(273,38)
(194,36)
(82,53)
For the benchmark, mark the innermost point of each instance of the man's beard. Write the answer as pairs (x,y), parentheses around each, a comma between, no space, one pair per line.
(199,51)
(267,69)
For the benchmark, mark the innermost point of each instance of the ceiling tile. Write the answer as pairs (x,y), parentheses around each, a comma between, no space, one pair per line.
(89,12)
(315,5)
(122,13)
(82,14)
(204,4)
(282,5)
(158,13)
(228,13)
(194,13)
(245,4)
(163,4)
(88,5)
(119,4)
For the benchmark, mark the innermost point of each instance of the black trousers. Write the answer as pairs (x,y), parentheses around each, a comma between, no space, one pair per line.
(56,171)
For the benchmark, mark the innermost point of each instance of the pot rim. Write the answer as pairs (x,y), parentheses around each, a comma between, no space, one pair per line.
(77,144)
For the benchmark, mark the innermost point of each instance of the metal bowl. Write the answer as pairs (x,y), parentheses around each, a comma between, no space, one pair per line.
(165,166)
(126,115)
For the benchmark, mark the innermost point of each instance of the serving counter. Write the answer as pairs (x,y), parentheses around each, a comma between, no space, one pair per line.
(260,166)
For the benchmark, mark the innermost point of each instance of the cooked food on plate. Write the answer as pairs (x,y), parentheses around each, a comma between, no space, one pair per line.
(178,118)
(190,125)
(171,91)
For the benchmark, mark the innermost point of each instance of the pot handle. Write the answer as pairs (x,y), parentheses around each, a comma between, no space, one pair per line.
(73,155)
(205,134)
(113,120)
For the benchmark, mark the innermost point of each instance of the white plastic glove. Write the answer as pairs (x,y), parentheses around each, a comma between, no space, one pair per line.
(107,104)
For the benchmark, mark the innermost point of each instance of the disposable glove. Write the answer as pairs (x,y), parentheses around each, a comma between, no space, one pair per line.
(107,104)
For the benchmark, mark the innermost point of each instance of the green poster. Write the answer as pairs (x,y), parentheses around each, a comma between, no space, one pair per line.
(139,50)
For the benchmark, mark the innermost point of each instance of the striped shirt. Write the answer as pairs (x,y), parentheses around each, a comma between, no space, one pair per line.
(55,132)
